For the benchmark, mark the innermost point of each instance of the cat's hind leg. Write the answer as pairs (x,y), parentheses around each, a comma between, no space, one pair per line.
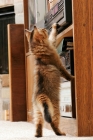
(38,119)
(55,121)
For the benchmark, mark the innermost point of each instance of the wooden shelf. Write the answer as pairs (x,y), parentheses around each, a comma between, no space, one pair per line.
(66,33)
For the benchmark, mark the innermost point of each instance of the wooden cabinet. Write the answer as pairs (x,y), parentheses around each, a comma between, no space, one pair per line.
(17,80)
(82,32)
(30,82)
(7,16)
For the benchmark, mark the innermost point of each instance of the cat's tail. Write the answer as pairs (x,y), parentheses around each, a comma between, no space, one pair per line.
(47,114)
(45,107)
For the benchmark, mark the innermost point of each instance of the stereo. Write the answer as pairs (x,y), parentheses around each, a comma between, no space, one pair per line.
(61,13)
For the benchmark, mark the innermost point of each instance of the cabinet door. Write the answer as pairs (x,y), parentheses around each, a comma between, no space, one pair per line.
(18,111)
(30,82)
(4,20)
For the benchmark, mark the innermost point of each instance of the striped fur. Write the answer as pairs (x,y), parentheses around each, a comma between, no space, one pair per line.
(48,70)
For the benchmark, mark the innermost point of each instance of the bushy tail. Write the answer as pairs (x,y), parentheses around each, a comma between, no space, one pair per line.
(47,115)
(45,106)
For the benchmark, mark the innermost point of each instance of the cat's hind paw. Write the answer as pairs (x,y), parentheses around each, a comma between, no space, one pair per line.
(60,134)
(63,134)
(37,135)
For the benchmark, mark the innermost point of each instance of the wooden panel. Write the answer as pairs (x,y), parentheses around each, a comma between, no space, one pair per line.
(83,48)
(29,67)
(30,82)
(7,16)
(68,32)
(91,97)
(17,72)
(73,98)
(26,26)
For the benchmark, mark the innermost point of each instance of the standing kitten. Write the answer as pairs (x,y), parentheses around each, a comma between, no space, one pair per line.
(48,69)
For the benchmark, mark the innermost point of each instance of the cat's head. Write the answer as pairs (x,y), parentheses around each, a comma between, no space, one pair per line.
(37,35)
(38,40)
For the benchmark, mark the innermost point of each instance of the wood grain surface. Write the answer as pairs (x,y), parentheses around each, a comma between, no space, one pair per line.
(30,83)
(17,72)
(83,57)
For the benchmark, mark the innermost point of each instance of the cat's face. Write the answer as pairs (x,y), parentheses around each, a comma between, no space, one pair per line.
(37,35)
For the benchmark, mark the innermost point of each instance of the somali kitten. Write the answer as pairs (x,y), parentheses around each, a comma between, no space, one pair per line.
(48,70)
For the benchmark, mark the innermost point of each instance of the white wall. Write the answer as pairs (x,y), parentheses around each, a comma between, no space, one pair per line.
(19,11)
(6,2)
(18,7)
(40,9)
(4,85)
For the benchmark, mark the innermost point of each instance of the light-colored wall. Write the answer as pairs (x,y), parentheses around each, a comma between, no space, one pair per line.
(4,79)
(18,7)
(4,95)
(6,2)
(19,11)
(41,11)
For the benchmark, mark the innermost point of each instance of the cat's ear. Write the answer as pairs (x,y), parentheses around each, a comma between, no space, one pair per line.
(35,27)
(28,34)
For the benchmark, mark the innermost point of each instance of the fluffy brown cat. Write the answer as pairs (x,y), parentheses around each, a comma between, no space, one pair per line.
(48,70)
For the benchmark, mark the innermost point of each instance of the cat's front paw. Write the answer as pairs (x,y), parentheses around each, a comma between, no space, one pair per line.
(55,25)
